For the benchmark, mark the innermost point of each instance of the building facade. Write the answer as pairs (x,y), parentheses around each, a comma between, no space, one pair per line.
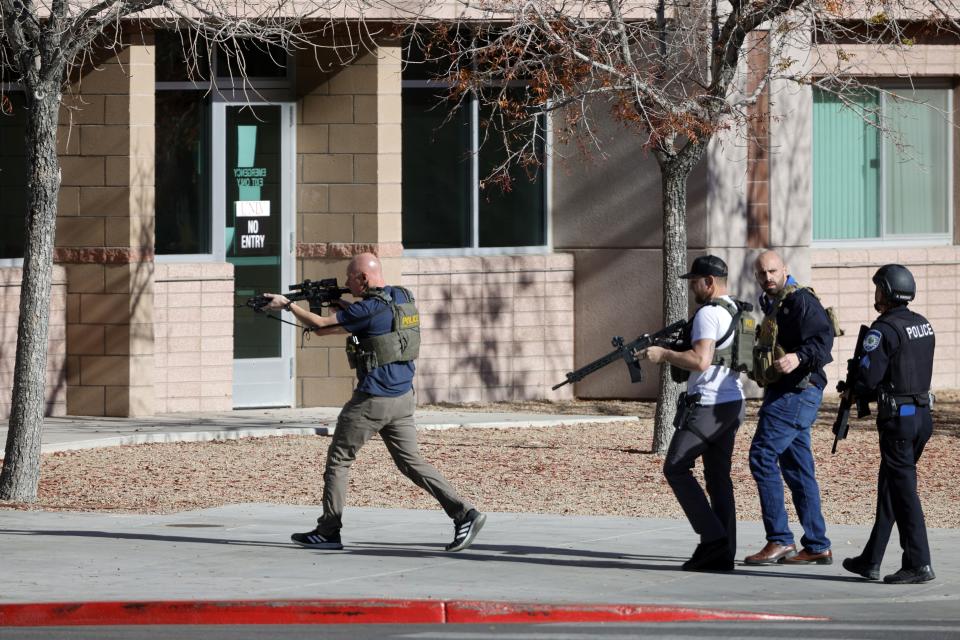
(178,203)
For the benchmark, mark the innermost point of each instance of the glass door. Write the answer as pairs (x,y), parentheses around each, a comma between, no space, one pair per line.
(254,186)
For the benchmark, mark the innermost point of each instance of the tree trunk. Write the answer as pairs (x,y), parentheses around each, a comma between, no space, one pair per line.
(21,465)
(673,176)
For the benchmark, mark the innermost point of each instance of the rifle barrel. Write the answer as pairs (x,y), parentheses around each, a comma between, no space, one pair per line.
(642,342)
(841,426)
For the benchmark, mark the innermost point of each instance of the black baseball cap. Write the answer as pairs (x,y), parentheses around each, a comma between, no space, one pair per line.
(707,266)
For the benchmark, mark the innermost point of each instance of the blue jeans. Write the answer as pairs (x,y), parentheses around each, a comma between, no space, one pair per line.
(781,445)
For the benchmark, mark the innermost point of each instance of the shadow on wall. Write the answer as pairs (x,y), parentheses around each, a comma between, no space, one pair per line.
(128,273)
(55,378)
(488,316)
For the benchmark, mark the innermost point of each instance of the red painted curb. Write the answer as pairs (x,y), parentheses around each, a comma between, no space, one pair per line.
(355,612)
(223,612)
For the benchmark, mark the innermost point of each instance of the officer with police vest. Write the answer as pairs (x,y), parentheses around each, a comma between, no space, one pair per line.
(896,369)
(384,341)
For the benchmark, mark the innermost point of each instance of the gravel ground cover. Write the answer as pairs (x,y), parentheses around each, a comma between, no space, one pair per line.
(597,469)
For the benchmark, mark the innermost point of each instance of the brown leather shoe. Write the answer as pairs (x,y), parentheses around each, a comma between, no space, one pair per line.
(772,553)
(809,557)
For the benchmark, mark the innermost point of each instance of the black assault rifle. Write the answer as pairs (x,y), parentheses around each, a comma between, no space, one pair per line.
(840,425)
(668,336)
(319,294)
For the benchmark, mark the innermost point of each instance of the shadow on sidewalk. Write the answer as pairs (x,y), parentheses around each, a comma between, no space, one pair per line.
(574,558)
(581,558)
(143,536)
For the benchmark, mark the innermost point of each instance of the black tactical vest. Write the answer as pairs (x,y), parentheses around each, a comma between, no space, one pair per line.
(911,366)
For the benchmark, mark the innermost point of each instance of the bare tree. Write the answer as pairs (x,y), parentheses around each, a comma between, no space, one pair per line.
(43,46)
(672,70)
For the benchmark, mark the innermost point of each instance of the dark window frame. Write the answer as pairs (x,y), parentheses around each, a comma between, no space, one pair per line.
(474,153)
(6,90)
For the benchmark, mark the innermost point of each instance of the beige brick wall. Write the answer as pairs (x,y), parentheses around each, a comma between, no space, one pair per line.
(193,328)
(348,154)
(105,234)
(493,328)
(842,279)
(348,194)
(56,382)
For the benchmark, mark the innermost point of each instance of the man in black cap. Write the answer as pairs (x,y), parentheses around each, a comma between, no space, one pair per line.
(709,415)
(896,369)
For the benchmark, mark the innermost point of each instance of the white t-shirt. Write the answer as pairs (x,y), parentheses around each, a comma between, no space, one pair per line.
(717,384)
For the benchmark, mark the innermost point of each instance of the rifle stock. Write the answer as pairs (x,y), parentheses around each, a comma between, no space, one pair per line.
(625,352)
(842,423)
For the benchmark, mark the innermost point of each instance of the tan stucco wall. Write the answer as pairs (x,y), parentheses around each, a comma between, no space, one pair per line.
(348,193)
(607,215)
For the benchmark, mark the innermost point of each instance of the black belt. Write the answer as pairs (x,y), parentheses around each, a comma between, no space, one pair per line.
(919,399)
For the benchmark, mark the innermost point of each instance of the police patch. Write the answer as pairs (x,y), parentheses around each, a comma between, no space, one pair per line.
(872,340)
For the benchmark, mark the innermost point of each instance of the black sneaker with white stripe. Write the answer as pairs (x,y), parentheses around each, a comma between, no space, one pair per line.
(464,531)
(314,540)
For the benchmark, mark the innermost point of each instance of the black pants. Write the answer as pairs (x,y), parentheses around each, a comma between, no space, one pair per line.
(708,432)
(901,443)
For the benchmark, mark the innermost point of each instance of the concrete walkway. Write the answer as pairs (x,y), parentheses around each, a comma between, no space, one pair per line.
(60,434)
(243,551)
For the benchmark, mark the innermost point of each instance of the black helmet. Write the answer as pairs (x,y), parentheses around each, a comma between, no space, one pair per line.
(896,283)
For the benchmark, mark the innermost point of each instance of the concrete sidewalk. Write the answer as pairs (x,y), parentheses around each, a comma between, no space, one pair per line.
(243,552)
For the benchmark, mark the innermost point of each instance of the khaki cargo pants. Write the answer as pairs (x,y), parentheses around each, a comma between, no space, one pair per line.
(363,416)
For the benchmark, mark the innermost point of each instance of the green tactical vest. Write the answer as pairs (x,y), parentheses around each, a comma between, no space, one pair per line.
(767,350)
(402,344)
(738,354)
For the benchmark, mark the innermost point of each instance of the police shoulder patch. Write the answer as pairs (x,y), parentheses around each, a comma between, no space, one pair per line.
(872,340)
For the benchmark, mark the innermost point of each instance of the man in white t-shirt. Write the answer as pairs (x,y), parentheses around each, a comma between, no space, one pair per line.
(708,417)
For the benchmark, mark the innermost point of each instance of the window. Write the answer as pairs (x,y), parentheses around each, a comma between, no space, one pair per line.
(444,206)
(871,185)
(13,175)
(184,129)
(182,155)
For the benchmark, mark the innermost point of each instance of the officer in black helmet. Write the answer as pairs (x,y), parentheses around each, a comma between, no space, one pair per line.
(896,369)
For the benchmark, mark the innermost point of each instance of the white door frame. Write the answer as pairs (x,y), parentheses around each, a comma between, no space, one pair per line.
(261,382)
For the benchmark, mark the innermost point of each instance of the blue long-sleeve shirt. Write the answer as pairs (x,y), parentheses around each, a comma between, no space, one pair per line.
(803,328)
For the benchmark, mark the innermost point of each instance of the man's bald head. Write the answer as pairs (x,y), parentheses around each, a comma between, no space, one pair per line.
(363,272)
(366,263)
(771,272)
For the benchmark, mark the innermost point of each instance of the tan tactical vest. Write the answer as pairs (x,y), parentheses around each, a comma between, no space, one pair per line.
(767,350)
